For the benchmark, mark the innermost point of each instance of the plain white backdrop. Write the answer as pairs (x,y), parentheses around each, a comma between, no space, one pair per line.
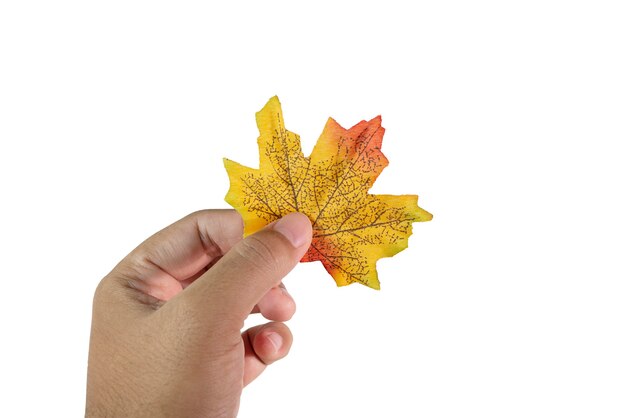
(507,118)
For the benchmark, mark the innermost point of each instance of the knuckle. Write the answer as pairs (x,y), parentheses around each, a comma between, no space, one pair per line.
(259,252)
(106,295)
(103,289)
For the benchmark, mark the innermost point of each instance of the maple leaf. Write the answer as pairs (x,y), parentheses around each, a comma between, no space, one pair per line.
(352,229)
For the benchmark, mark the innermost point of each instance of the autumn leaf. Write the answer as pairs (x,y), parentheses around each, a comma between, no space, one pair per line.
(352,229)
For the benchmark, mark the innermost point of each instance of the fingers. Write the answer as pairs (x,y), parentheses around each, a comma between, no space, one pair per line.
(264,344)
(172,258)
(276,305)
(238,281)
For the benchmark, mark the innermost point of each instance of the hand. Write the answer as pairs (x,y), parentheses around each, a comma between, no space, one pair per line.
(166,330)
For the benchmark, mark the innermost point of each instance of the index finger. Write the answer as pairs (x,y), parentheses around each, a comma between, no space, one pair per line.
(164,263)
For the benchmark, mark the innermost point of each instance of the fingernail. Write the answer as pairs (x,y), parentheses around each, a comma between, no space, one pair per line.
(276,340)
(295,227)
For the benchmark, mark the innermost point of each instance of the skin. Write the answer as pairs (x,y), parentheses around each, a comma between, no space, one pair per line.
(166,334)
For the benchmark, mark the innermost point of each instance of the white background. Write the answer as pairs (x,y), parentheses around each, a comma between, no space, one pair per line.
(507,118)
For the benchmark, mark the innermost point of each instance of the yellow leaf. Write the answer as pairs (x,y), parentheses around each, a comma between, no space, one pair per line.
(352,229)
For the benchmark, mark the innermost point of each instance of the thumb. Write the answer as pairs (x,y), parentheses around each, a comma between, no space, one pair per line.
(229,290)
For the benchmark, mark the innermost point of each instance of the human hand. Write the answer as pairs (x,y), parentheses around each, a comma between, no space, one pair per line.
(166,329)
